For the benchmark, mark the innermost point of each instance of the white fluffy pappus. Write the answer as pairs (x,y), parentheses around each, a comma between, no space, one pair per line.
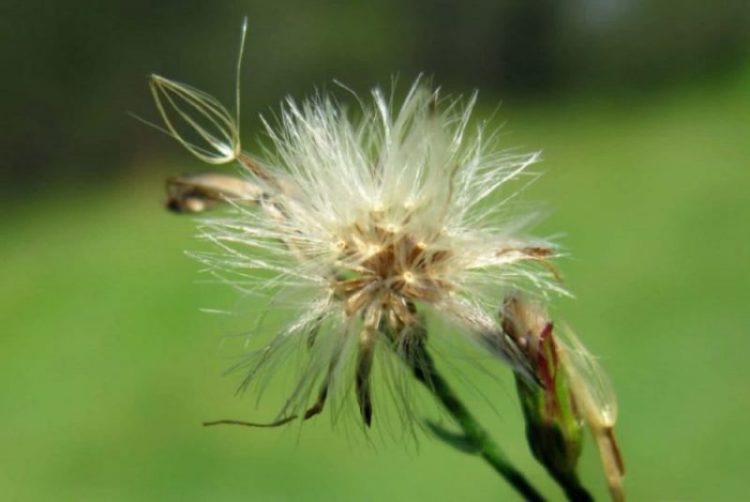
(377,217)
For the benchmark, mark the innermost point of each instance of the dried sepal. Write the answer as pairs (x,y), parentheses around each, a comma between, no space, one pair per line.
(188,113)
(596,402)
(195,193)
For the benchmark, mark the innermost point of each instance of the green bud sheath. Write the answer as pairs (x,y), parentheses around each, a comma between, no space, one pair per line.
(554,429)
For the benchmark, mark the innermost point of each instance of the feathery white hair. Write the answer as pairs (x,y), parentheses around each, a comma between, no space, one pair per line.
(377,218)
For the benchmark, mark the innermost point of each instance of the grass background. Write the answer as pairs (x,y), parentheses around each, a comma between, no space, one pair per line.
(107,367)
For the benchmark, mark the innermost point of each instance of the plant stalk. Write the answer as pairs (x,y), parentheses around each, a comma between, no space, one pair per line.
(423,368)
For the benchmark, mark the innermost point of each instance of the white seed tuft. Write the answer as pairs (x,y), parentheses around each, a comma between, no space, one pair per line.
(377,218)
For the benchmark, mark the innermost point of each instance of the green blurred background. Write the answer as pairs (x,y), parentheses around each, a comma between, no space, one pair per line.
(108,366)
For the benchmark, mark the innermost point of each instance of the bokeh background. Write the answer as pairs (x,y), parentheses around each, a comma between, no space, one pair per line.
(108,366)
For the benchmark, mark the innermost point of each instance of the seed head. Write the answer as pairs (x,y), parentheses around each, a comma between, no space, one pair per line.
(379,217)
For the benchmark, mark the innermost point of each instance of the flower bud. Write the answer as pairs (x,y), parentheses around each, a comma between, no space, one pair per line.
(553,428)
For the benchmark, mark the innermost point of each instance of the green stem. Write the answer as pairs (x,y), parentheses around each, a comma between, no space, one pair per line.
(424,370)
(574,491)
